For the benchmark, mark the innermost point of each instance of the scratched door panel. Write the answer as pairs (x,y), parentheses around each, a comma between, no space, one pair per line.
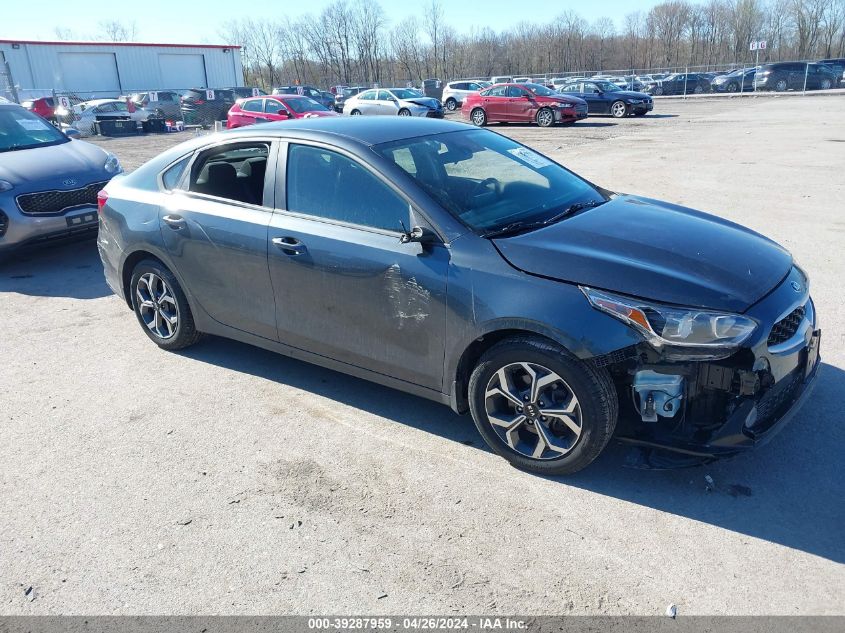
(361,297)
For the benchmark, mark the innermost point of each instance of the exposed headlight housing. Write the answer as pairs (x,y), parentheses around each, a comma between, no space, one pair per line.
(675,326)
(5,185)
(112,164)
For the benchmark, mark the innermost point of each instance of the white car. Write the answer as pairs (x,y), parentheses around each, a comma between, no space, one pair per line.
(87,113)
(501,79)
(456,91)
(395,101)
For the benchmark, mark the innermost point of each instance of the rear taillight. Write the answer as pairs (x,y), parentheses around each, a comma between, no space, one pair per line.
(102,198)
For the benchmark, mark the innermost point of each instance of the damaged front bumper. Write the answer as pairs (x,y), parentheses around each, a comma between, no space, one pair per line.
(717,408)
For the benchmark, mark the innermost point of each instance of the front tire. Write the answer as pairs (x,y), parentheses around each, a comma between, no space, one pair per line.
(545,117)
(161,306)
(478,117)
(541,408)
(404,112)
(781,85)
(451,104)
(826,84)
(355,113)
(618,109)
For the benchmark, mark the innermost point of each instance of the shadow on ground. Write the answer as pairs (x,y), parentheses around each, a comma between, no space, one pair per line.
(788,492)
(70,269)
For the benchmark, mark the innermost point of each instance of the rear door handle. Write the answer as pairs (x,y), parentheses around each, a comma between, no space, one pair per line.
(175,222)
(289,245)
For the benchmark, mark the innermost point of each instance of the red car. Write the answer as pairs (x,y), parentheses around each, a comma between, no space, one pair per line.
(274,108)
(522,103)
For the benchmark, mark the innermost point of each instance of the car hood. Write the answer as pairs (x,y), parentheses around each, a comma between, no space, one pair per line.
(569,99)
(654,250)
(630,94)
(428,102)
(54,163)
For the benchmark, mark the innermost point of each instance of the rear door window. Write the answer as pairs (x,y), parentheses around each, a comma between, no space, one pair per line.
(232,172)
(253,105)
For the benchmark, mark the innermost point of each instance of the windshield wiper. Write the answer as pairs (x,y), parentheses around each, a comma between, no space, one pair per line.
(518,227)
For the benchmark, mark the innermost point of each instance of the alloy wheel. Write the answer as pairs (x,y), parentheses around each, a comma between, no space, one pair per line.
(533,410)
(545,118)
(157,305)
(404,112)
(478,117)
(618,109)
(780,86)
(451,105)
(825,84)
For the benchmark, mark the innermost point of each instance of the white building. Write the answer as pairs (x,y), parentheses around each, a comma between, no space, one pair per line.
(109,69)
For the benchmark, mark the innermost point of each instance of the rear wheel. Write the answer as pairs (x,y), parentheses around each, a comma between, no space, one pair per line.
(451,104)
(618,109)
(161,306)
(478,117)
(732,87)
(541,408)
(545,117)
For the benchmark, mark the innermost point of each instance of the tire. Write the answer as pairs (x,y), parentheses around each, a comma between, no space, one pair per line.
(478,117)
(545,117)
(826,84)
(698,90)
(404,112)
(781,85)
(619,109)
(582,395)
(355,113)
(658,90)
(158,113)
(157,298)
(732,87)
(451,104)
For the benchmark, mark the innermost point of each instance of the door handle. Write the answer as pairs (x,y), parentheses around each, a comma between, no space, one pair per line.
(175,222)
(289,245)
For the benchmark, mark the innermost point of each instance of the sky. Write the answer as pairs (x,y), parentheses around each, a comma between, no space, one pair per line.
(199,22)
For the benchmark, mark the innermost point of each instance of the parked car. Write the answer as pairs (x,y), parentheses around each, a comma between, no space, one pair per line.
(522,103)
(741,80)
(243,92)
(45,106)
(343,94)
(503,79)
(165,106)
(48,182)
(795,76)
(604,97)
(456,91)
(401,101)
(521,80)
(679,84)
(630,83)
(198,109)
(307,91)
(275,108)
(837,66)
(87,113)
(461,266)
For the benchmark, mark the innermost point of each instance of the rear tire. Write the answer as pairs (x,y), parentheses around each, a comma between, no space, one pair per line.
(478,117)
(451,104)
(541,408)
(161,306)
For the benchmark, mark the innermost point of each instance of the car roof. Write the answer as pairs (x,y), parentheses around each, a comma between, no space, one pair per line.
(363,130)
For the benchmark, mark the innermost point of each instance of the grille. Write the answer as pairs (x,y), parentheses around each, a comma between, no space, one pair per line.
(53,202)
(4,223)
(773,403)
(786,328)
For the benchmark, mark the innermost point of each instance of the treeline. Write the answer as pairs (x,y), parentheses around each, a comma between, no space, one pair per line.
(351,41)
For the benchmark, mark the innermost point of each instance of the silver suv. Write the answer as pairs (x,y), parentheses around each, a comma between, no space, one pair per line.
(456,91)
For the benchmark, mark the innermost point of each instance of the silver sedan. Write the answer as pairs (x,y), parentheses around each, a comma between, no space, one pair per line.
(393,101)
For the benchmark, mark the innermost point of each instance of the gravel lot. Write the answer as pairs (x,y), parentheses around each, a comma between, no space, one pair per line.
(226,479)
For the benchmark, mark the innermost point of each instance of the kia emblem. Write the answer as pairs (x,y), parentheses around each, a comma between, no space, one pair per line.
(795,286)
(70,182)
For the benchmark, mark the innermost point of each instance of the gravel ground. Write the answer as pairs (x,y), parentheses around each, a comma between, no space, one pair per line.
(226,479)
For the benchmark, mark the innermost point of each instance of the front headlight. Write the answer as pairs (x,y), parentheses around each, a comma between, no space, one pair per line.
(5,185)
(670,325)
(112,164)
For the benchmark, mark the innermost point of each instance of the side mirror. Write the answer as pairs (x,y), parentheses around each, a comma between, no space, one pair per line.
(418,234)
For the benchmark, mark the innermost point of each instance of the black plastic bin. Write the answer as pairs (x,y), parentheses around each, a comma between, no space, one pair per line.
(116,127)
(154,126)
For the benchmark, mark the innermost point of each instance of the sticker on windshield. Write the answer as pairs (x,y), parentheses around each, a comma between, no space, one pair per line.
(33,125)
(534,159)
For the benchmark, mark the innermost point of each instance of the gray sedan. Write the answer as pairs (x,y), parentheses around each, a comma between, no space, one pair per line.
(48,182)
(401,101)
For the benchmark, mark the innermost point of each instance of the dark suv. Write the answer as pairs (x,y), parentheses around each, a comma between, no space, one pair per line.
(794,76)
(308,91)
(680,84)
(205,106)
(837,66)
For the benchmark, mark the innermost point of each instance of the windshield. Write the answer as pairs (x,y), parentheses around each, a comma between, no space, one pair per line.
(305,105)
(606,86)
(20,129)
(405,93)
(348,92)
(489,181)
(539,90)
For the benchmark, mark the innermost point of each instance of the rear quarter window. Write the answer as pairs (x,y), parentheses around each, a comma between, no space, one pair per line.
(171,177)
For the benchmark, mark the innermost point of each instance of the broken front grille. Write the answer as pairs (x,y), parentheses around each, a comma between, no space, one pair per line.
(54,202)
(786,328)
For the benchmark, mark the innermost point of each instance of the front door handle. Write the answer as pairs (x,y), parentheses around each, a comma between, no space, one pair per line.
(289,245)
(175,222)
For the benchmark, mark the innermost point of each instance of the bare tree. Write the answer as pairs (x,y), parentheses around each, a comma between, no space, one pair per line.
(433,24)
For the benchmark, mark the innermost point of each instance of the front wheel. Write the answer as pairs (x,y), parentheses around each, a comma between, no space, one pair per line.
(404,112)
(355,113)
(451,104)
(618,109)
(781,85)
(698,90)
(478,117)
(161,306)
(826,84)
(545,117)
(541,408)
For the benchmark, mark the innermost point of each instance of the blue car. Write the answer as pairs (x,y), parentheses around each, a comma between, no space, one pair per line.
(605,97)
